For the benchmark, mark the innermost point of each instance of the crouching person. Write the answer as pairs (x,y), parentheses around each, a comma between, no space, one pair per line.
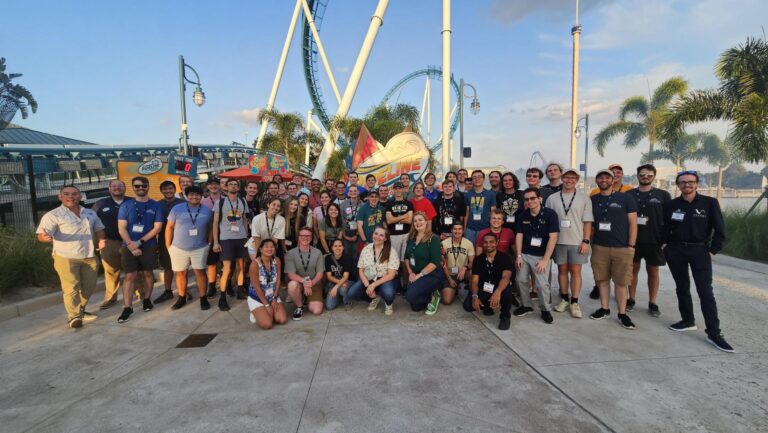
(264,301)
(489,287)
(378,265)
(305,269)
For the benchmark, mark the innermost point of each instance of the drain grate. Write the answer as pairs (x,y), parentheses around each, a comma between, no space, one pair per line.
(196,340)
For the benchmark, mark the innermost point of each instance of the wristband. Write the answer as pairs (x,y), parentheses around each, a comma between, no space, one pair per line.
(474,295)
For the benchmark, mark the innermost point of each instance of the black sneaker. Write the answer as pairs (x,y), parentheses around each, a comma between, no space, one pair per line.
(211,291)
(595,293)
(504,323)
(600,313)
(223,305)
(298,313)
(630,304)
(241,293)
(653,310)
(125,315)
(546,316)
(626,322)
(204,304)
(180,302)
(487,311)
(522,311)
(108,304)
(683,326)
(166,295)
(76,322)
(230,291)
(719,342)
(190,297)
(147,305)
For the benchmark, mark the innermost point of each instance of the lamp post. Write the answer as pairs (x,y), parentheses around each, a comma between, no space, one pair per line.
(577,134)
(198,97)
(474,106)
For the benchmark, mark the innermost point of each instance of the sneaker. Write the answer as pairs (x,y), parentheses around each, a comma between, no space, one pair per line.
(683,326)
(146,305)
(374,303)
(522,311)
(487,311)
(719,342)
(298,313)
(190,297)
(653,310)
(600,313)
(166,295)
(347,307)
(180,302)
(241,293)
(204,304)
(125,315)
(626,322)
(575,311)
(434,303)
(230,291)
(595,293)
(561,306)
(388,310)
(211,291)
(87,317)
(223,305)
(630,304)
(76,322)
(546,316)
(504,323)
(107,304)
(251,318)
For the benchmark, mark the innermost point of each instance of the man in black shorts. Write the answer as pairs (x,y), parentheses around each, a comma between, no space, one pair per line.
(230,233)
(170,199)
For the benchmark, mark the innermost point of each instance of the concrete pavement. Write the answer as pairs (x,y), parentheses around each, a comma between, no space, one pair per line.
(358,371)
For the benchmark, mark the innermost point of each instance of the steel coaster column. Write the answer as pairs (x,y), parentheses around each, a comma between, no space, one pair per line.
(446,32)
(320,49)
(377,20)
(279,74)
(576,32)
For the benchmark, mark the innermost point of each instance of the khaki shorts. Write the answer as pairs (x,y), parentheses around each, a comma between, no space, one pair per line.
(612,264)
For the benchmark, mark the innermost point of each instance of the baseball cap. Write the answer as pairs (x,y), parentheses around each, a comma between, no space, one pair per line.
(614,165)
(604,171)
(398,184)
(212,179)
(571,170)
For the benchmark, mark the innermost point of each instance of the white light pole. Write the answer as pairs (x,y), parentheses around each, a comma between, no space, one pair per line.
(446,84)
(577,134)
(576,32)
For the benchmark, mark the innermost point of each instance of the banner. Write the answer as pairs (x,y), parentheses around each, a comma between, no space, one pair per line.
(155,170)
(405,153)
(271,163)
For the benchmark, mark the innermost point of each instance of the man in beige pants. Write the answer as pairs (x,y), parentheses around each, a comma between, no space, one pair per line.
(71,228)
(107,209)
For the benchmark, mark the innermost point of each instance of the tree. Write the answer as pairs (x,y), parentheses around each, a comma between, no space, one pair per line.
(288,135)
(640,118)
(13,97)
(717,153)
(741,99)
(688,147)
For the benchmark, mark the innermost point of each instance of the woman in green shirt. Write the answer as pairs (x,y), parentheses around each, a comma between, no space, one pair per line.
(422,263)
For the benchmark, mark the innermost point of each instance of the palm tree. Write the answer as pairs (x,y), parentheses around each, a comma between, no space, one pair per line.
(640,118)
(288,135)
(13,97)
(742,99)
(718,153)
(688,147)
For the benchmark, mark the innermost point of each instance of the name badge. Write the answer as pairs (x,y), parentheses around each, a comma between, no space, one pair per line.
(565,224)
(448,220)
(454,270)
(412,261)
(487,287)
(642,221)
(476,216)
(510,218)
(106,209)
(353,226)
(288,243)
(678,216)
(193,232)
(138,228)
(398,227)
(307,279)
(536,242)
(604,227)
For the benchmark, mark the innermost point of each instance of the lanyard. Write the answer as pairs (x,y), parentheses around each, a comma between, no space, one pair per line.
(568,208)
(271,274)
(449,207)
(375,257)
(642,204)
(538,219)
(604,206)
(193,218)
(235,208)
(456,251)
(478,202)
(354,213)
(139,216)
(489,268)
(266,221)
(309,259)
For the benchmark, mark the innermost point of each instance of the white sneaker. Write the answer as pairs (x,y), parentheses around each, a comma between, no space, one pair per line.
(575,311)
(374,303)
(561,306)
(250,316)
(388,310)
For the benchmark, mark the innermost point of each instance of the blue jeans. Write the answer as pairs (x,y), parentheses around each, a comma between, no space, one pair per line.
(332,302)
(386,291)
(419,292)
(471,235)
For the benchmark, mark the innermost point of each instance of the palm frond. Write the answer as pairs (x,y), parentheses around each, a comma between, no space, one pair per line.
(636,105)
(663,95)
(696,106)
(634,135)
(750,128)
(610,132)
(744,69)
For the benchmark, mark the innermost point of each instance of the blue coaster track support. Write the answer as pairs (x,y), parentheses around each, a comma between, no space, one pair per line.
(309,59)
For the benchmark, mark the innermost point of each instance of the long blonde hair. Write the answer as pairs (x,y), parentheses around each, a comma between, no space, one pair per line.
(414,233)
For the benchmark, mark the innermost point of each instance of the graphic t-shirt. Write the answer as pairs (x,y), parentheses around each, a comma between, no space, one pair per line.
(337,267)
(449,211)
(511,205)
(479,204)
(457,254)
(371,218)
(397,209)
(232,221)
(650,214)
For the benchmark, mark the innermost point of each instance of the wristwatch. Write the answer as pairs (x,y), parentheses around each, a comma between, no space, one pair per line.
(474,295)
(139,242)
(585,241)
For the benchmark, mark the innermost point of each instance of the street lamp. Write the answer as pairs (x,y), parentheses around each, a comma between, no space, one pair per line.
(198,97)
(577,134)
(474,106)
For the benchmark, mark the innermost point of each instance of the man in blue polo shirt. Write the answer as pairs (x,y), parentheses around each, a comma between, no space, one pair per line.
(479,203)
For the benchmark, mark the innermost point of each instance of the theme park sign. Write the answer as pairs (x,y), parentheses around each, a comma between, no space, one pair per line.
(405,153)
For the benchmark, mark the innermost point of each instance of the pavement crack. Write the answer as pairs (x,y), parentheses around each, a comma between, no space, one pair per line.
(314,371)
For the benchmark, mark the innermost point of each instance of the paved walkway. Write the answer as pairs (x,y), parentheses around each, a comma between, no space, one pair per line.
(364,372)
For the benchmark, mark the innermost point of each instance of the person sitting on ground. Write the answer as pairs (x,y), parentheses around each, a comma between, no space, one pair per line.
(377,269)
(459,253)
(264,301)
(489,288)
(424,267)
(305,270)
(338,268)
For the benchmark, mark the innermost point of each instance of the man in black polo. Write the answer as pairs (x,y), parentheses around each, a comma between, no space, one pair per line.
(107,209)
(650,229)
(168,189)
(694,232)
(489,283)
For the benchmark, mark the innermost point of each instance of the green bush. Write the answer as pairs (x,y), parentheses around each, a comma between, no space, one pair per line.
(23,260)
(746,236)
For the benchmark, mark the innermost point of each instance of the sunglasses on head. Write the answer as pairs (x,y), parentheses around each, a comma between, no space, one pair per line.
(680,173)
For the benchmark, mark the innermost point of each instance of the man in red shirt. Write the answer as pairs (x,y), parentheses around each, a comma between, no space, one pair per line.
(422,204)
(506,236)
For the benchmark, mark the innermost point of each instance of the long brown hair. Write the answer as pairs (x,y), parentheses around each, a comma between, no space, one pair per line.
(384,258)
(414,233)
(292,221)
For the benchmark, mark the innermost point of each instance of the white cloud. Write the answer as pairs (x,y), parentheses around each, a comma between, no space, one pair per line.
(510,11)
(248,116)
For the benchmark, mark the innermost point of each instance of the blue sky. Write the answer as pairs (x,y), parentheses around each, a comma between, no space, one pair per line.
(107,72)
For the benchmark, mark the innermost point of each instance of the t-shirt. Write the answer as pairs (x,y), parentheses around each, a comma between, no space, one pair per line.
(349,212)
(479,204)
(232,221)
(141,217)
(457,255)
(165,207)
(304,264)
(371,265)
(576,209)
(331,233)
(371,217)
(511,205)
(425,206)
(339,266)
(506,241)
(107,209)
(612,210)
(452,208)
(254,208)
(397,209)
(650,214)
(431,195)
(263,228)
(191,225)
(491,271)
(537,227)
(209,202)
(548,190)
(423,253)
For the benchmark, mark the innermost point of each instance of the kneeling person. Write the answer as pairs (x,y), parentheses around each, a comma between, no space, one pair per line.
(264,301)
(490,282)
(305,269)
(459,253)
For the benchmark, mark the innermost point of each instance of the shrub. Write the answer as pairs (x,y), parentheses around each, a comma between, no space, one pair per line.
(746,236)
(23,260)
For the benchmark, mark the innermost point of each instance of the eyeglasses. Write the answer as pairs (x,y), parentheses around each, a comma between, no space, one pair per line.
(141,186)
(531,175)
(531,198)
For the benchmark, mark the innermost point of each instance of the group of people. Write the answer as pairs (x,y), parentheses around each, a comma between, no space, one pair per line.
(336,242)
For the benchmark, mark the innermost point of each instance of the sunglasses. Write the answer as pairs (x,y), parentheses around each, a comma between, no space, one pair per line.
(680,173)
(140,186)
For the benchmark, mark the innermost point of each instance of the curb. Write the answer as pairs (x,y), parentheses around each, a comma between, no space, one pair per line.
(747,265)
